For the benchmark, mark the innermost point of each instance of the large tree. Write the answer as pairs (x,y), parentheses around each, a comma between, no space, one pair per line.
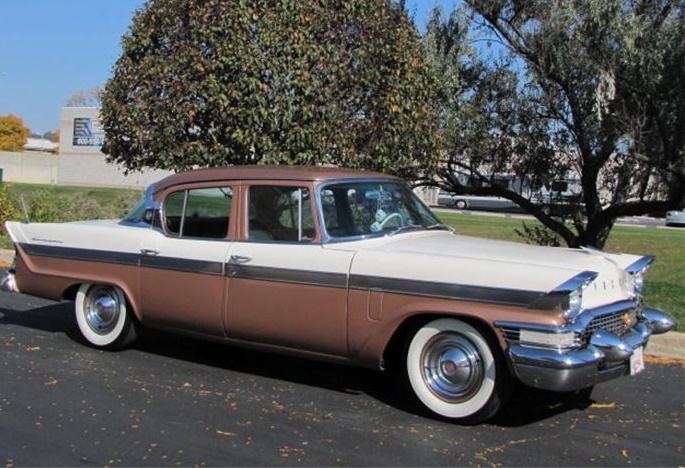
(594,88)
(210,82)
(13,133)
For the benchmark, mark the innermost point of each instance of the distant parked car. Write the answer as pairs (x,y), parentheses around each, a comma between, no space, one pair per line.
(452,201)
(675,218)
(350,267)
(475,202)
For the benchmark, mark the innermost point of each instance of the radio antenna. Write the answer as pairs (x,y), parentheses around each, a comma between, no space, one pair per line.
(23,207)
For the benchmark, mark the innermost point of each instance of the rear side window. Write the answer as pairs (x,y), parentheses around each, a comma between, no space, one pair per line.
(199,213)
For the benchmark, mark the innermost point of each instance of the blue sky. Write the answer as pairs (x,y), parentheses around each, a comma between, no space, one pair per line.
(50,49)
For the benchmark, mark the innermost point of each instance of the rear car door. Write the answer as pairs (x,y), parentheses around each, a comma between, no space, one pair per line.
(182,282)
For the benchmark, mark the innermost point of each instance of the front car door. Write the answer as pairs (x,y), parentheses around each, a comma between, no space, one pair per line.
(286,290)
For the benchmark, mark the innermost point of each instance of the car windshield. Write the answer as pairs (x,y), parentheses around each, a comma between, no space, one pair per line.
(353,209)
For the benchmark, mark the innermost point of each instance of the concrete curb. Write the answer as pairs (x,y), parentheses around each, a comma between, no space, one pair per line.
(669,345)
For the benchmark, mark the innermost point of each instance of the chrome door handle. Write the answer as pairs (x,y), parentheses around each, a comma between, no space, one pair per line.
(239,259)
(150,252)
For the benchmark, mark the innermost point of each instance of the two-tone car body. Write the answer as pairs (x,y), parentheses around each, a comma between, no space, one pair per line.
(346,266)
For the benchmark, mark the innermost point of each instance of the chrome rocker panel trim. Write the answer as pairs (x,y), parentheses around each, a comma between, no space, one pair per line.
(606,356)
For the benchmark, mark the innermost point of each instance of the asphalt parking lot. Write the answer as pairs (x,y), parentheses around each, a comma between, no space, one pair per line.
(174,401)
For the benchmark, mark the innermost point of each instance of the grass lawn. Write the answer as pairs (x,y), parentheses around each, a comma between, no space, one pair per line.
(56,203)
(103,195)
(665,281)
(665,288)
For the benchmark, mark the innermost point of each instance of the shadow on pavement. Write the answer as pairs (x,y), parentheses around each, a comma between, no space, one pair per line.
(51,317)
(530,405)
(527,406)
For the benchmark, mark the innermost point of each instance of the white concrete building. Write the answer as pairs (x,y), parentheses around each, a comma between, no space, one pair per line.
(81,161)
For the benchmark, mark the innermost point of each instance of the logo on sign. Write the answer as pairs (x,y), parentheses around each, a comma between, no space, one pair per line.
(87,132)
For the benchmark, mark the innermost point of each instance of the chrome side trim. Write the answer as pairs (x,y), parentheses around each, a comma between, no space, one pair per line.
(430,289)
(380,284)
(182,265)
(284,275)
(559,295)
(124,258)
(440,290)
(87,255)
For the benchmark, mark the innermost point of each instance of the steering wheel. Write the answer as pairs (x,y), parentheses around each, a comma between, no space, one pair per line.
(382,219)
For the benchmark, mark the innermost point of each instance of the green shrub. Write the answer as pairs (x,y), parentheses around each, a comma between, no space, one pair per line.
(539,235)
(42,206)
(47,206)
(8,210)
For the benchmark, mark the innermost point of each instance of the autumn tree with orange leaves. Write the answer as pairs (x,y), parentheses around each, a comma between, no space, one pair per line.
(13,133)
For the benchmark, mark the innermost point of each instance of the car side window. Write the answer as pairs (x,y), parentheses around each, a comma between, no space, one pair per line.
(372,208)
(346,211)
(199,213)
(279,213)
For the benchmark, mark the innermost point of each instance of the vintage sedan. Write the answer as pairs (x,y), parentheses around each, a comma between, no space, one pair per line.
(346,266)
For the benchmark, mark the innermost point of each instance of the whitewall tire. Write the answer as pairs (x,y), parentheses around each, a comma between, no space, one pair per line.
(454,373)
(103,317)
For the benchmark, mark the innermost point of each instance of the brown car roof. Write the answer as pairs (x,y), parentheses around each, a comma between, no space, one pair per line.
(299,173)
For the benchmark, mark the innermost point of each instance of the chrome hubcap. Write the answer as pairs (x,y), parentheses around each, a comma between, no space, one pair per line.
(102,309)
(452,367)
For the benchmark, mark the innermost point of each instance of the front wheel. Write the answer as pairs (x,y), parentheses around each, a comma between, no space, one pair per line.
(461,204)
(103,316)
(454,373)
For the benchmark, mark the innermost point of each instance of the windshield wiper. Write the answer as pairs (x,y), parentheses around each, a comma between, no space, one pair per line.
(407,227)
(415,227)
(440,226)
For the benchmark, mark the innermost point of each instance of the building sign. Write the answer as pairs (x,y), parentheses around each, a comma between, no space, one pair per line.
(88,132)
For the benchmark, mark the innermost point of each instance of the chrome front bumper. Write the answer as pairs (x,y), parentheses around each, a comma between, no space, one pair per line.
(606,356)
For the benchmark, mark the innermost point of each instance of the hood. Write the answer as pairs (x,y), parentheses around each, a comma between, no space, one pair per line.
(442,257)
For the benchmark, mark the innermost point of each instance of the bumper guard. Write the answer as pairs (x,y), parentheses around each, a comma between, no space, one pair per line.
(606,356)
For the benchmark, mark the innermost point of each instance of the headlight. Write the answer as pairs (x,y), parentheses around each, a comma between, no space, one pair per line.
(575,305)
(639,282)
(637,270)
(572,293)
(568,296)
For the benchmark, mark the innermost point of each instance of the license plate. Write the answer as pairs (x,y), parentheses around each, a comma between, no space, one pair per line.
(637,361)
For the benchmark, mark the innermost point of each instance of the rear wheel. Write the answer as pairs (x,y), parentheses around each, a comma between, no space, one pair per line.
(103,316)
(454,372)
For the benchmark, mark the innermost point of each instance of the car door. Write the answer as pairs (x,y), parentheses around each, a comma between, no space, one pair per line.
(182,281)
(286,290)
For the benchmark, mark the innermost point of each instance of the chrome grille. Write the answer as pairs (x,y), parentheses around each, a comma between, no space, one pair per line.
(617,322)
(512,334)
